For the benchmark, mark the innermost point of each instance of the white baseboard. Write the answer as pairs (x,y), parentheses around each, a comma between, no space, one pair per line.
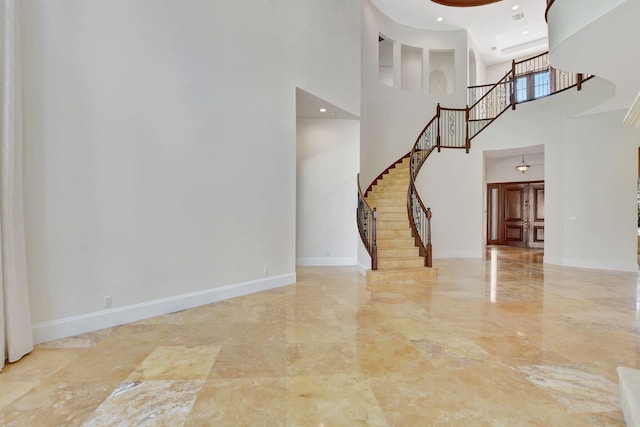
(363,269)
(70,326)
(311,262)
(593,264)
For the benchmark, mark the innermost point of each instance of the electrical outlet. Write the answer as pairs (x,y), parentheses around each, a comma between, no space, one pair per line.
(107,302)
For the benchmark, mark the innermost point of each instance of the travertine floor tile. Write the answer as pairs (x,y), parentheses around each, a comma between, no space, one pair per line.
(176,363)
(576,388)
(56,404)
(340,400)
(148,403)
(515,344)
(240,402)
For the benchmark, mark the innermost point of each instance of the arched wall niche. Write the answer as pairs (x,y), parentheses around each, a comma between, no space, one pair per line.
(437,83)
(442,72)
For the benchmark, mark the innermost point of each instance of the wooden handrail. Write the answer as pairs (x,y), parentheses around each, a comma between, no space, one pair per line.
(530,59)
(546,12)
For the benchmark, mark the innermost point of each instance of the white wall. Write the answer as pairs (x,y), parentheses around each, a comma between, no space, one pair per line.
(481,67)
(590,174)
(504,170)
(327,165)
(160,148)
(496,72)
(391,118)
(411,60)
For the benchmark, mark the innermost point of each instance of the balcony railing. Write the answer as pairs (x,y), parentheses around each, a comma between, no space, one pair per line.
(366,217)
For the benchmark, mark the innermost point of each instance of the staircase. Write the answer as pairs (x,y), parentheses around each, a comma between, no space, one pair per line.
(394,224)
(398,256)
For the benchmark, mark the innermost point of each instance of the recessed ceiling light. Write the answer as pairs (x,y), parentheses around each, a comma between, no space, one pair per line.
(515,7)
(525,32)
(323,110)
(440,18)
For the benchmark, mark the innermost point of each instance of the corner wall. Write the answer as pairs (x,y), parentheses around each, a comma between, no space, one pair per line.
(327,166)
(160,148)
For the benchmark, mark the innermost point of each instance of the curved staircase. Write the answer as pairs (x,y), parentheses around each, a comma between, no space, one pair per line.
(398,256)
(394,223)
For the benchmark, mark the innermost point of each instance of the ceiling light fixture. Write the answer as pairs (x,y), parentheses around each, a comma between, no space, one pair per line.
(525,32)
(515,7)
(523,167)
(439,19)
(323,110)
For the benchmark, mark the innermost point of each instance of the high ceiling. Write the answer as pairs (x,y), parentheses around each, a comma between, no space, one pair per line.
(501,31)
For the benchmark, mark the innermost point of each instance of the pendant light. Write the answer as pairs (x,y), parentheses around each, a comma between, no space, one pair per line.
(523,167)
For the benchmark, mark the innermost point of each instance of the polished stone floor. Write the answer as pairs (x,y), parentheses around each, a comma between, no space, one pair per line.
(505,341)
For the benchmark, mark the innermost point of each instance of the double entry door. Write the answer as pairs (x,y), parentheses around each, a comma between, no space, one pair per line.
(515,214)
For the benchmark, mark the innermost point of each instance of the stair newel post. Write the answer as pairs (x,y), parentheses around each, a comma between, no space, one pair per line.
(579,84)
(467,141)
(374,245)
(438,127)
(428,260)
(513,84)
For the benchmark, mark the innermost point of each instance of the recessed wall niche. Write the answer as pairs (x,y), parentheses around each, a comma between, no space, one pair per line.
(442,71)
(411,64)
(385,61)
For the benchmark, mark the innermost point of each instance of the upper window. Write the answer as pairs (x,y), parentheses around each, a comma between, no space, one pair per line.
(533,85)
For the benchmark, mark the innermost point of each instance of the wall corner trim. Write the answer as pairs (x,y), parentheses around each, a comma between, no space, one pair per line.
(75,325)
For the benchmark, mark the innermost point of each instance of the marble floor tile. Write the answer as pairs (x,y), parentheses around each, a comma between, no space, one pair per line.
(473,396)
(577,389)
(516,350)
(147,403)
(321,358)
(340,400)
(39,364)
(250,361)
(56,404)
(502,341)
(232,402)
(12,390)
(176,363)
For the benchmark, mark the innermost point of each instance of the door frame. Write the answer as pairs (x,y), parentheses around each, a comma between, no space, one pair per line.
(532,234)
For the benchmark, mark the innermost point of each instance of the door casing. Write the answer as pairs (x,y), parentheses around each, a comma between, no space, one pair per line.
(519,214)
